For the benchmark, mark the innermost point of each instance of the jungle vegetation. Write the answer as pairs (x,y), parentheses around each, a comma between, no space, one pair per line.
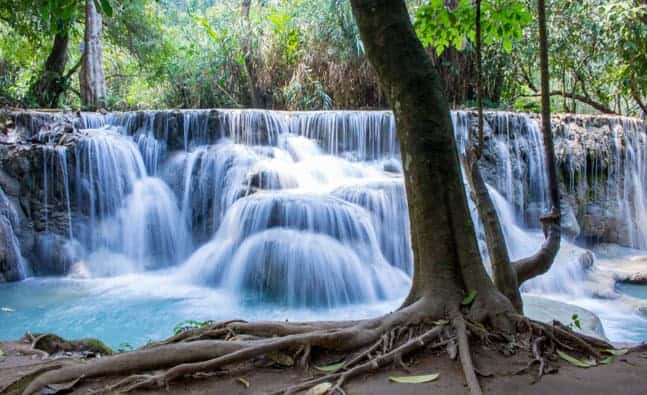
(308,55)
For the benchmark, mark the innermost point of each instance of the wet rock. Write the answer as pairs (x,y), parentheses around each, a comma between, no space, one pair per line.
(267,179)
(55,254)
(547,310)
(392,166)
(11,261)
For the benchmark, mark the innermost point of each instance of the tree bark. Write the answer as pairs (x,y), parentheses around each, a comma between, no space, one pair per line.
(447,263)
(250,69)
(92,79)
(51,85)
(547,132)
(479,80)
(541,262)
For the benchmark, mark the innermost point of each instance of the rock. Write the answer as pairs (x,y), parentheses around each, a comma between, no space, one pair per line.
(547,310)
(586,260)
(53,344)
(635,272)
(55,254)
(11,260)
(267,179)
(392,166)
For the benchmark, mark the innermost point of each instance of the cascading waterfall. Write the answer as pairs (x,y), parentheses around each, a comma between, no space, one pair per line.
(305,208)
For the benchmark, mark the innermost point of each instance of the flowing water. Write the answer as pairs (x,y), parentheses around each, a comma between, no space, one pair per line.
(272,215)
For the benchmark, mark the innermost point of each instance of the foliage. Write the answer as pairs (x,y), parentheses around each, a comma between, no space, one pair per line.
(503,22)
(190,324)
(307,54)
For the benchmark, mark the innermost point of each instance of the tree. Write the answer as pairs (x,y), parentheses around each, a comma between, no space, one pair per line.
(92,79)
(451,291)
(45,20)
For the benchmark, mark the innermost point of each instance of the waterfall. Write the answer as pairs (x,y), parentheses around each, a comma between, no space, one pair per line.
(308,209)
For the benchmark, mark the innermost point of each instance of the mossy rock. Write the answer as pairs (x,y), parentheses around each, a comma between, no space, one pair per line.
(52,344)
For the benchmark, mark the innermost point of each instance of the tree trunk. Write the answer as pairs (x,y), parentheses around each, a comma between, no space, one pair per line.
(250,69)
(447,263)
(92,80)
(545,109)
(51,85)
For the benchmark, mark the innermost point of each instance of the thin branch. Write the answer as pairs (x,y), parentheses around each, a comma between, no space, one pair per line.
(586,100)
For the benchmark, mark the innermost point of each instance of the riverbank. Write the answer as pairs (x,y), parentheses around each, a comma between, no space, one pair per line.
(626,375)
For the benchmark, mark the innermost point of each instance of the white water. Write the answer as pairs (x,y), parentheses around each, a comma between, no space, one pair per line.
(278,215)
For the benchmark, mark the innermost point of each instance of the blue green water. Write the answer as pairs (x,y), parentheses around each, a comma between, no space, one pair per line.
(637,291)
(135,309)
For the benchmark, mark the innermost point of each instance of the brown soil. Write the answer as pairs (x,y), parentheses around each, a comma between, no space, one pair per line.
(627,375)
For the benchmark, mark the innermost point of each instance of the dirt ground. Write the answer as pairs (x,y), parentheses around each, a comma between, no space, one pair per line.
(627,376)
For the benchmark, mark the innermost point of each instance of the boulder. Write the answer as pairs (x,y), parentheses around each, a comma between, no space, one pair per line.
(547,310)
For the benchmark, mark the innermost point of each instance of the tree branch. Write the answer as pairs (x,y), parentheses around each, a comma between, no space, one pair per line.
(586,100)
(542,260)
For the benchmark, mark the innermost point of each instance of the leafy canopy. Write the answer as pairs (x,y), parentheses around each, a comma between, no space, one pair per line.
(439,27)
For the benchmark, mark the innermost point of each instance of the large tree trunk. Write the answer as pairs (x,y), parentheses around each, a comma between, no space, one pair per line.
(447,263)
(51,85)
(92,80)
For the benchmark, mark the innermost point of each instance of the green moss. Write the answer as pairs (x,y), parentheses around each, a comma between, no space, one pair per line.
(97,346)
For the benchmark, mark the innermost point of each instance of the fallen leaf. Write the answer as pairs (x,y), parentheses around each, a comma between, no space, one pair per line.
(320,389)
(441,322)
(469,298)
(243,381)
(607,360)
(330,368)
(617,351)
(281,359)
(580,363)
(425,378)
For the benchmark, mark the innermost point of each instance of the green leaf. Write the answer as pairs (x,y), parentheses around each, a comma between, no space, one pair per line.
(469,298)
(330,368)
(106,7)
(575,361)
(607,360)
(414,379)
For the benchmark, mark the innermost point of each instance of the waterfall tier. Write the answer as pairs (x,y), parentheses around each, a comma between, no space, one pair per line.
(299,209)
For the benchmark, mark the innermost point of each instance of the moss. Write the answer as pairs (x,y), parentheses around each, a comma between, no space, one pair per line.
(97,346)
(51,343)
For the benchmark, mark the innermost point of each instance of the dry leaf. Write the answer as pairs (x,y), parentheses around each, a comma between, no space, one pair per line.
(580,363)
(425,378)
(320,389)
(243,381)
(281,359)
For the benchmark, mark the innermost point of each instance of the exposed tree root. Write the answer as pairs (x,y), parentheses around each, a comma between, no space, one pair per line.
(374,343)
(465,357)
